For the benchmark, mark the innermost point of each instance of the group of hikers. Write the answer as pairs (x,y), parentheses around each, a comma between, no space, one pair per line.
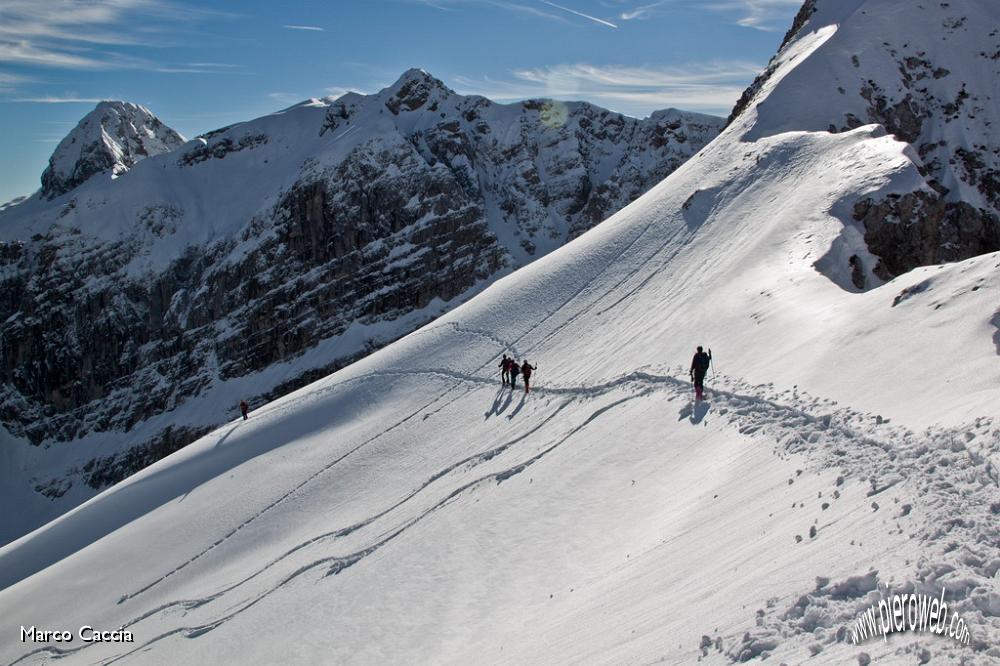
(509,370)
(702,361)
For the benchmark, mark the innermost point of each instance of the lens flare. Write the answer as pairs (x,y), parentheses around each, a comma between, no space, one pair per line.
(553,114)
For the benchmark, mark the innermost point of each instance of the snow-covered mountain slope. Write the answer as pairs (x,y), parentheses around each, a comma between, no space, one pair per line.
(409,509)
(935,88)
(139,309)
(110,139)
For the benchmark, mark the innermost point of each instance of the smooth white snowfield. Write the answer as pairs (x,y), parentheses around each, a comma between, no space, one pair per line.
(409,510)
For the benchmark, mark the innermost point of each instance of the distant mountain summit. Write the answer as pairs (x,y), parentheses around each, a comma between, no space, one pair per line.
(181,277)
(113,137)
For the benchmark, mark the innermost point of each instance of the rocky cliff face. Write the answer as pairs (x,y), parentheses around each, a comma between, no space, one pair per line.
(935,88)
(137,311)
(112,138)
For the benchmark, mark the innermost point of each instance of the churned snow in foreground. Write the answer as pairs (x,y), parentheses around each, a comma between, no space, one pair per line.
(409,509)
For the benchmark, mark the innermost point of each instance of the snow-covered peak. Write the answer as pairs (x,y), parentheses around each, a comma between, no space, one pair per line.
(413,90)
(115,135)
(417,76)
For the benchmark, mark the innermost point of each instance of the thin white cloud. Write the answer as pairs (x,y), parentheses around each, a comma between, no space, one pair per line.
(212,65)
(23,52)
(515,7)
(586,16)
(435,5)
(313,28)
(72,34)
(758,14)
(198,70)
(527,9)
(710,87)
(9,81)
(641,12)
(769,15)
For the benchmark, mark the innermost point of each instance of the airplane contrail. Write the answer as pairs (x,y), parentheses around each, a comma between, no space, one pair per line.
(586,16)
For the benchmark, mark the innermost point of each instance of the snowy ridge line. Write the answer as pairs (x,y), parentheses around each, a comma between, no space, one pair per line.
(607,292)
(552,311)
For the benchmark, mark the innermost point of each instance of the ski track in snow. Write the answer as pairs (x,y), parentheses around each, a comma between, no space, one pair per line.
(832,439)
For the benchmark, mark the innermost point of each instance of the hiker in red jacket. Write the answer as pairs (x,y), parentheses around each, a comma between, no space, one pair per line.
(244,408)
(526,370)
(515,370)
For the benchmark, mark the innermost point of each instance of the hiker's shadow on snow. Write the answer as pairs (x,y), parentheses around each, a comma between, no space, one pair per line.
(694,413)
(519,406)
(226,436)
(499,403)
(218,443)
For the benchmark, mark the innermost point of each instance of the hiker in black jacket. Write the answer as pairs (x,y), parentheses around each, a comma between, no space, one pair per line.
(699,368)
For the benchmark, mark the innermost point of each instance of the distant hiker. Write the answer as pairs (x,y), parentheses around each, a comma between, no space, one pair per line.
(514,370)
(245,408)
(526,370)
(699,368)
(504,370)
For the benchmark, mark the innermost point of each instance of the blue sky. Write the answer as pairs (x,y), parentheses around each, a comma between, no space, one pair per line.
(203,65)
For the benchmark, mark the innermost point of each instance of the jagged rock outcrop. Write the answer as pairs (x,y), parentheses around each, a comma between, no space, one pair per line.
(113,137)
(260,256)
(921,229)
